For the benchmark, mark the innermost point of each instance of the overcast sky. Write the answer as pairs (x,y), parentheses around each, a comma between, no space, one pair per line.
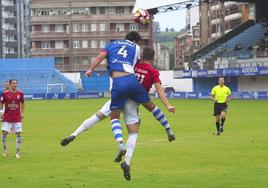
(173,19)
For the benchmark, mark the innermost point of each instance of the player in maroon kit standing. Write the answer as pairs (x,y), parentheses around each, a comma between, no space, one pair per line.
(13,101)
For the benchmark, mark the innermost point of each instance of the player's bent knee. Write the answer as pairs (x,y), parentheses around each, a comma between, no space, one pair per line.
(149,106)
(101,115)
(133,128)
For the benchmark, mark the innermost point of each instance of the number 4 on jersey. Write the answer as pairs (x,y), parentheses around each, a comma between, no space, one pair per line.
(122,51)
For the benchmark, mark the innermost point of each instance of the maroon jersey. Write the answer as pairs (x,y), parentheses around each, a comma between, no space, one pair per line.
(147,75)
(12,101)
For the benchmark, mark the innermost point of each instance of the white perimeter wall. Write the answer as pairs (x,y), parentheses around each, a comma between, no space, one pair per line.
(253,83)
(178,84)
(74,77)
(165,76)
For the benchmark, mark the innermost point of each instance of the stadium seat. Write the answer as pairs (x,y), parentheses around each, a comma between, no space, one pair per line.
(35,75)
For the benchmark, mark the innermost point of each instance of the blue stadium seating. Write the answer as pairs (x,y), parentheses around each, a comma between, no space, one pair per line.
(99,81)
(35,75)
(245,40)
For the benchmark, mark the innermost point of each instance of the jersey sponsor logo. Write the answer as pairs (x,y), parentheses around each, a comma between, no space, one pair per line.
(13,106)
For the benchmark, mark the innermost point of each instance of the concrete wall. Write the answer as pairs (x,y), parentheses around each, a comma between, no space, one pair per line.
(165,76)
(253,83)
(178,84)
(74,77)
(206,84)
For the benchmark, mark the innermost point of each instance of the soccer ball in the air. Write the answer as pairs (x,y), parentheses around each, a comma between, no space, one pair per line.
(141,16)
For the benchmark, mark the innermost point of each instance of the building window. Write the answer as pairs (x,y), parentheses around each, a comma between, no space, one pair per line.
(45,28)
(130,9)
(45,12)
(45,44)
(93,10)
(119,10)
(102,43)
(102,10)
(59,45)
(76,44)
(84,44)
(133,27)
(93,44)
(85,60)
(76,27)
(119,27)
(59,60)
(235,23)
(77,60)
(84,27)
(93,27)
(9,50)
(213,29)
(59,28)
(102,27)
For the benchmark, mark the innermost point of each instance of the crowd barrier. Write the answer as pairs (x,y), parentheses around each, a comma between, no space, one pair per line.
(48,96)
(196,95)
(171,95)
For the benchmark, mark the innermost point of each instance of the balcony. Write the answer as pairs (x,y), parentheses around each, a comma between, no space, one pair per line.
(215,21)
(10,8)
(11,20)
(50,52)
(144,33)
(41,36)
(11,44)
(73,67)
(11,32)
(233,17)
(11,55)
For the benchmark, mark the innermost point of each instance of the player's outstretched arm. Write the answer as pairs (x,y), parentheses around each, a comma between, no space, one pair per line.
(102,55)
(163,97)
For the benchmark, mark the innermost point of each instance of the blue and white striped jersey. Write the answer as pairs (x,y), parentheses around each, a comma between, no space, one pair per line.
(122,56)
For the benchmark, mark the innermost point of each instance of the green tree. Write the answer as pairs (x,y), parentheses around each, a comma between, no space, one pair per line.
(172,30)
(156,27)
(171,58)
(167,30)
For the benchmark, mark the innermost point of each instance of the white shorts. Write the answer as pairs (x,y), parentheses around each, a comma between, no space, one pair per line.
(130,111)
(105,109)
(12,127)
(1,112)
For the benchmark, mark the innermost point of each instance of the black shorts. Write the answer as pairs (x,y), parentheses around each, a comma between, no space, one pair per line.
(219,107)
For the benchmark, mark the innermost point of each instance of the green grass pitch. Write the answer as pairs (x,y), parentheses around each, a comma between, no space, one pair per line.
(197,159)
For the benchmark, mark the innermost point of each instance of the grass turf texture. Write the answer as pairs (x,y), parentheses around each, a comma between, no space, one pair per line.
(197,158)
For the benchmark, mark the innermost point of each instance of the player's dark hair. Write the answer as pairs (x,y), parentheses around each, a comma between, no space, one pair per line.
(148,53)
(12,80)
(133,36)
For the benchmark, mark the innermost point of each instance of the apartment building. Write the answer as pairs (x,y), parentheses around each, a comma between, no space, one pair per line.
(15,33)
(218,18)
(183,49)
(74,32)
